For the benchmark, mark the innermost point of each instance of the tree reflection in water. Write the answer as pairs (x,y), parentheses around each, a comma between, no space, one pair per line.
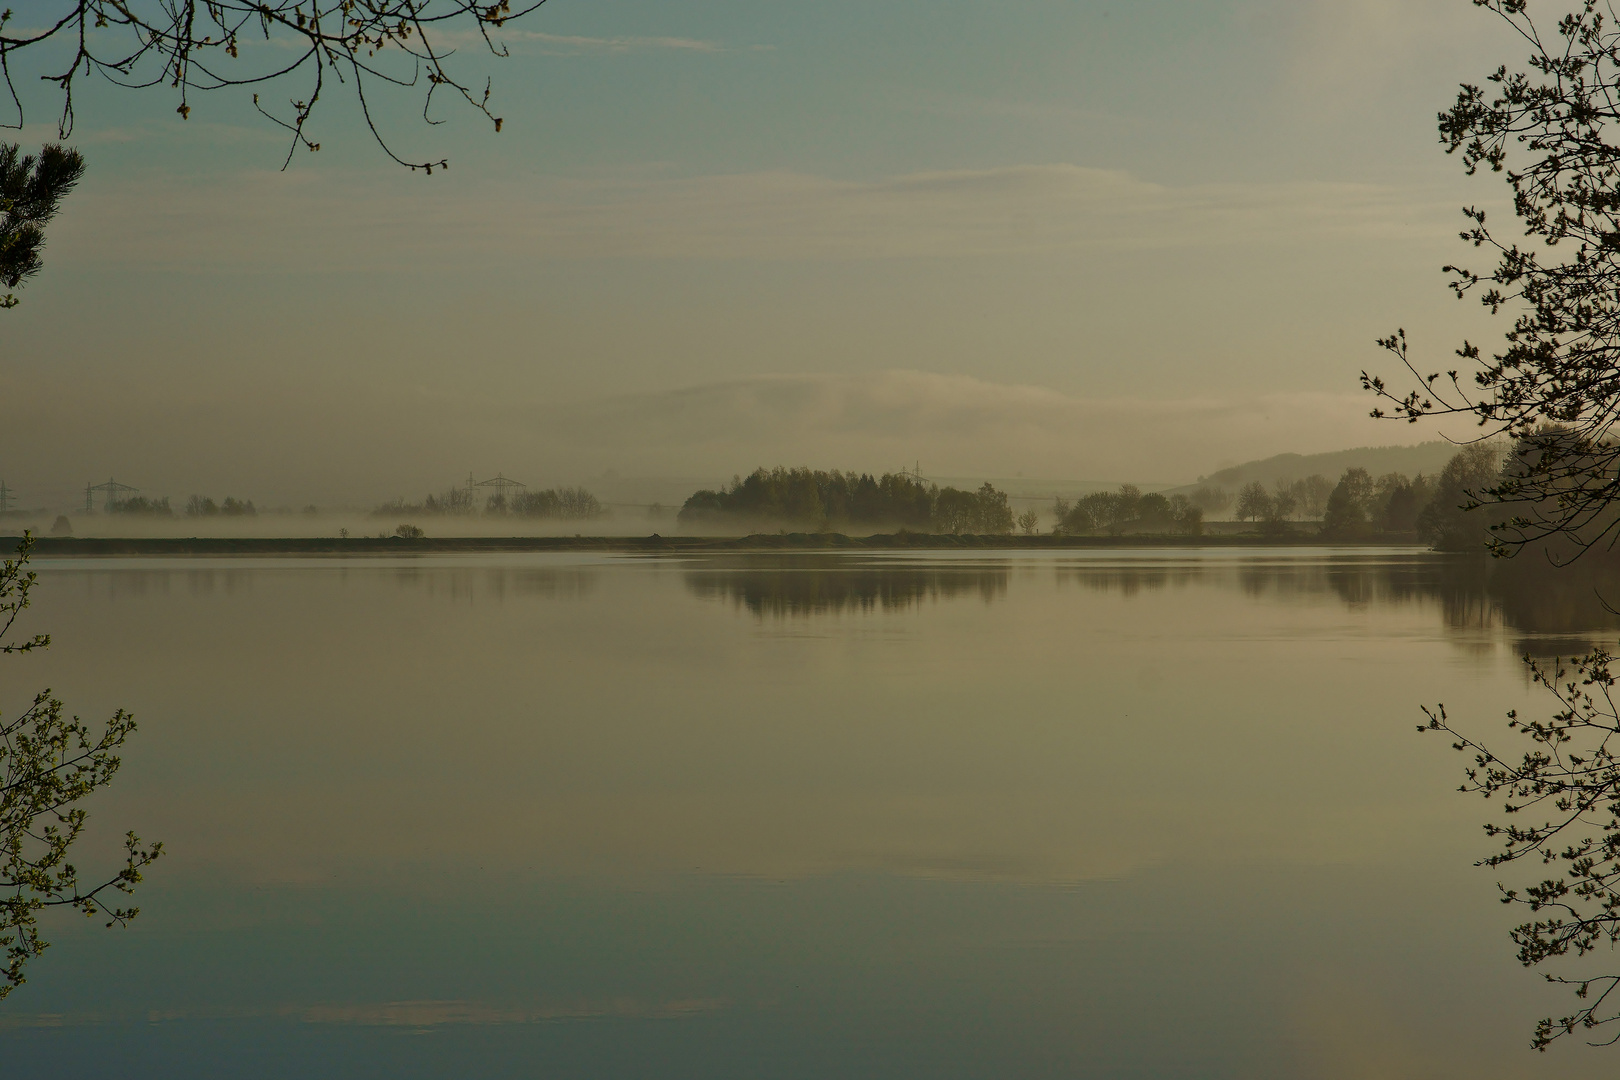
(813,585)
(1552,610)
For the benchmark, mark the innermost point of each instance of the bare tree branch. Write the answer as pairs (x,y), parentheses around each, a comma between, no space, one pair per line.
(204,45)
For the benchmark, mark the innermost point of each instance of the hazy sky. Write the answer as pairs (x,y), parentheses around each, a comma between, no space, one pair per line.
(720,234)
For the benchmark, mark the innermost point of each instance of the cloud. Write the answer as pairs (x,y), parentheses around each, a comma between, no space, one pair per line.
(421,1014)
(960,425)
(1336,48)
(264,220)
(577,45)
(612,44)
(413,1014)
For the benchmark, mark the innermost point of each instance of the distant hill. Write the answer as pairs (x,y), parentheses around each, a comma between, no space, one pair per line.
(1426,458)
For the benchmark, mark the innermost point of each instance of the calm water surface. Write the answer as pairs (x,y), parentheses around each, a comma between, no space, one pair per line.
(1096,814)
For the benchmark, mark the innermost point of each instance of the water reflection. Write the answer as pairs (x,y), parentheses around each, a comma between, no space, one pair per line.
(604,823)
(433,580)
(1548,609)
(1130,580)
(789,586)
(500,583)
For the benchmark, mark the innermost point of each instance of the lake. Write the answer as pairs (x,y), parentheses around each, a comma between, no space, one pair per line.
(1102,813)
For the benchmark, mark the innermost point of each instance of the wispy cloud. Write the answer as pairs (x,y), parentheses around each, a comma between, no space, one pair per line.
(960,423)
(611,44)
(424,1014)
(265,218)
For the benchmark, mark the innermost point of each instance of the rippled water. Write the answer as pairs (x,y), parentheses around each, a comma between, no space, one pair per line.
(1103,813)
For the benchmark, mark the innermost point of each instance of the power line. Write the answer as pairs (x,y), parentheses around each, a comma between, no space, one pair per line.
(113,490)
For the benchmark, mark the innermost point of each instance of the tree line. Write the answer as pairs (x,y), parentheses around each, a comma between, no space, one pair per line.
(817,500)
(1436,509)
(564,503)
(196,506)
(202,506)
(1128,510)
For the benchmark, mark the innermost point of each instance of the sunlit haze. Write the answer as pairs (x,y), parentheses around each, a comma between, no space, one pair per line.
(1093,241)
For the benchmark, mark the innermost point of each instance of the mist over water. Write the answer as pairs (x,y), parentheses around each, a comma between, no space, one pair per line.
(869,815)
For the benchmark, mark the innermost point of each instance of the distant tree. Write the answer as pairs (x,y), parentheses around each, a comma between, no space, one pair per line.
(201,506)
(538,504)
(1397,502)
(233,507)
(994,512)
(1187,518)
(1029,521)
(141,506)
(985,511)
(1448,521)
(1128,510)
(1152,513)
(813,499)
(409,532)
(577,504)
(1345,516)
(49,766)
(454,501)
(31,192)
(1311,494)
(1110,512)
(1283,500)
(1254,502)
(569,504)
(1211,500)
(1277,509)
(61,526)
(358,46)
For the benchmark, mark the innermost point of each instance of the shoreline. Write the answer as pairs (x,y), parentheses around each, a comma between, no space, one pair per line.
(394,545)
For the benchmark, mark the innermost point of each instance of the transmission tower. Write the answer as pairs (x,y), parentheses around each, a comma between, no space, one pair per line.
(114,491)
(501,486)
(6,498)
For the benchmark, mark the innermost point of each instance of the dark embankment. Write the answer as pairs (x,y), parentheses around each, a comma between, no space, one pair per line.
(69,545)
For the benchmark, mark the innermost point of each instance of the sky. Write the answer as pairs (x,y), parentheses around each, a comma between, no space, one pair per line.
(1081,240)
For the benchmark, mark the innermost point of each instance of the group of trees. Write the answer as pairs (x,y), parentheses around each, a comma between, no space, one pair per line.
(202,506)
(565,503)
(142,506)
(1284,500)
(1128,510)
(196,506)
(1360,506)
(1439,510)
(813,499)
(984,512)
(1211,500)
